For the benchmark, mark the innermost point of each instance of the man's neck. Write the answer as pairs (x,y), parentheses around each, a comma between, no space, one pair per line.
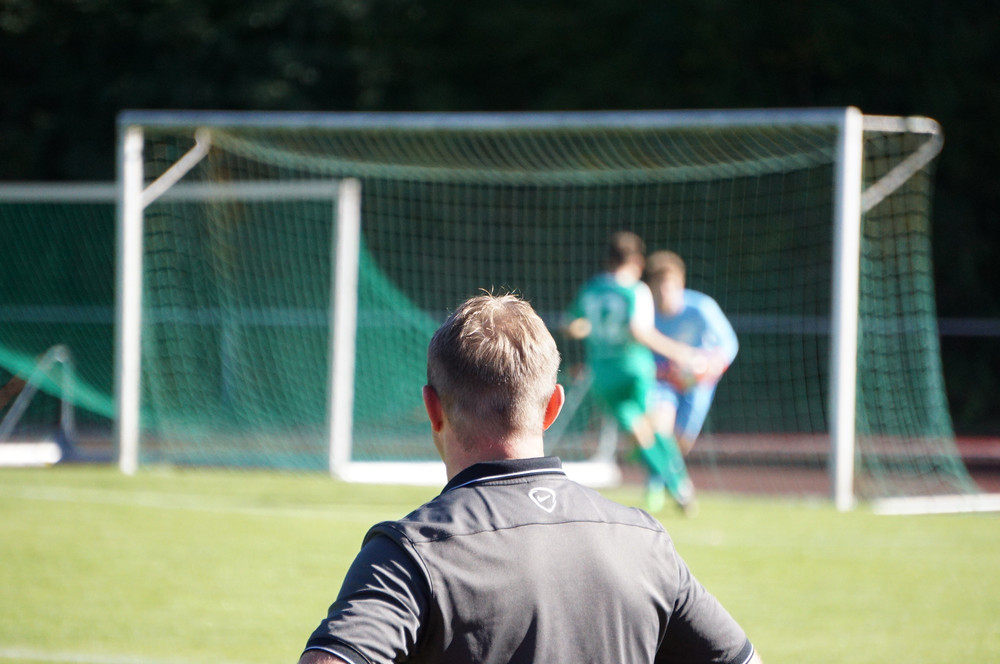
(458,457)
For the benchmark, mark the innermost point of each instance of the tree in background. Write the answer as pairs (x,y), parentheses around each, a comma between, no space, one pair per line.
(70,67)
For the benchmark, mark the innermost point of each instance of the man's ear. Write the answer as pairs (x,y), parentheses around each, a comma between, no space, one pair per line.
(554,405)
(435,412)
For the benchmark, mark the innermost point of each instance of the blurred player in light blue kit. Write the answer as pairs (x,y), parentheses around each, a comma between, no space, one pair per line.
(684,396)
(684,393)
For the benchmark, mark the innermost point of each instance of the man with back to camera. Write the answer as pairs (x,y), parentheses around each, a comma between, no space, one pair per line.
(513,562)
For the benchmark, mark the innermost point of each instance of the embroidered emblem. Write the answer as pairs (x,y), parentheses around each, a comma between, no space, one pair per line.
(544,498)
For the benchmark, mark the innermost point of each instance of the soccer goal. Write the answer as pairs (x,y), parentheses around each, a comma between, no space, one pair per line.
(282,273)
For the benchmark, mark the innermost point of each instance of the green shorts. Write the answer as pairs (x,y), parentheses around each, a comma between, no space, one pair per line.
(624,393)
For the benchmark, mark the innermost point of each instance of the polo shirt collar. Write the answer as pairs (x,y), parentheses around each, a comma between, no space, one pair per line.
(505,469)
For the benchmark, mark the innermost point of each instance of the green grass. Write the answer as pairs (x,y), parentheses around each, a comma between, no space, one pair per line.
(174,567)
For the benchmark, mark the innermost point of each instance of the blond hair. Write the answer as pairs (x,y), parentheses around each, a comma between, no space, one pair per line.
(494,366)
(664,262)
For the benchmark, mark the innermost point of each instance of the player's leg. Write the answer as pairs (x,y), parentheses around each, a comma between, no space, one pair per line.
(692,410)
(627,397)
(667,471)
(622,395)
(664,408)
(615,393)
(672,470)
(652,451)
(663,412)
(663,457)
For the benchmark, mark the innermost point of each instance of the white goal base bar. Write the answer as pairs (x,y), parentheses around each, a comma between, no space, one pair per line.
(415,473)
(595,474)
(951,504)
(29,455)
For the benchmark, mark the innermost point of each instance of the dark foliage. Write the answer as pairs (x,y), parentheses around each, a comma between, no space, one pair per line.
(69,66)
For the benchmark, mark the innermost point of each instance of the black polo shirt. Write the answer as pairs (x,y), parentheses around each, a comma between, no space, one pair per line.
(515,562)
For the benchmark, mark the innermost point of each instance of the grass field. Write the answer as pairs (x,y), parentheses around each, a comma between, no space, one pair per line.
(175,567)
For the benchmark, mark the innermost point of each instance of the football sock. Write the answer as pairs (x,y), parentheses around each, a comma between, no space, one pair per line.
(664,460)
(656,494)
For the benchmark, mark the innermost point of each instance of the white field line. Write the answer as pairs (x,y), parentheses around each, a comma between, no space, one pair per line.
(362,514)
(33,655)
(955,504)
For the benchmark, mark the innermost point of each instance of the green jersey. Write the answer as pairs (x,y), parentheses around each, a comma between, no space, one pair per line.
(611,308)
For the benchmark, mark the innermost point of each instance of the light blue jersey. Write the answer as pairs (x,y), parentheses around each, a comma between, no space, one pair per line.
(700,324)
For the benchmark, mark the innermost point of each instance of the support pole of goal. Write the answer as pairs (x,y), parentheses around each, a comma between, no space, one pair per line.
(343,325)
(844,332)
(129,297)
(133,198)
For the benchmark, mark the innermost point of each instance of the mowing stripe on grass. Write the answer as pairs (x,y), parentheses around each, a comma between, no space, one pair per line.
(28,654)
(200,503)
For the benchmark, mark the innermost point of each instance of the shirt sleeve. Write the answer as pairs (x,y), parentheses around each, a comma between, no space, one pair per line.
(700,629)
(719,328)
(377,614)
(644,315)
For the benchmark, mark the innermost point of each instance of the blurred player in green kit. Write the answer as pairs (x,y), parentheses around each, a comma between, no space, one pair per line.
(614,314)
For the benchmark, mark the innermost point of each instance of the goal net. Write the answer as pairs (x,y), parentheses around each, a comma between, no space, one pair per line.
(242,280)
(56,320)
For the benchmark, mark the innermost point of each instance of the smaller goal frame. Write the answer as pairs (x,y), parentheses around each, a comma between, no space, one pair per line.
(135,197)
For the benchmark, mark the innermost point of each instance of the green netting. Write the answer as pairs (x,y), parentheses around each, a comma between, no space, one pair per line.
(57,288)
(237,288)
(905,437)
(236,340)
